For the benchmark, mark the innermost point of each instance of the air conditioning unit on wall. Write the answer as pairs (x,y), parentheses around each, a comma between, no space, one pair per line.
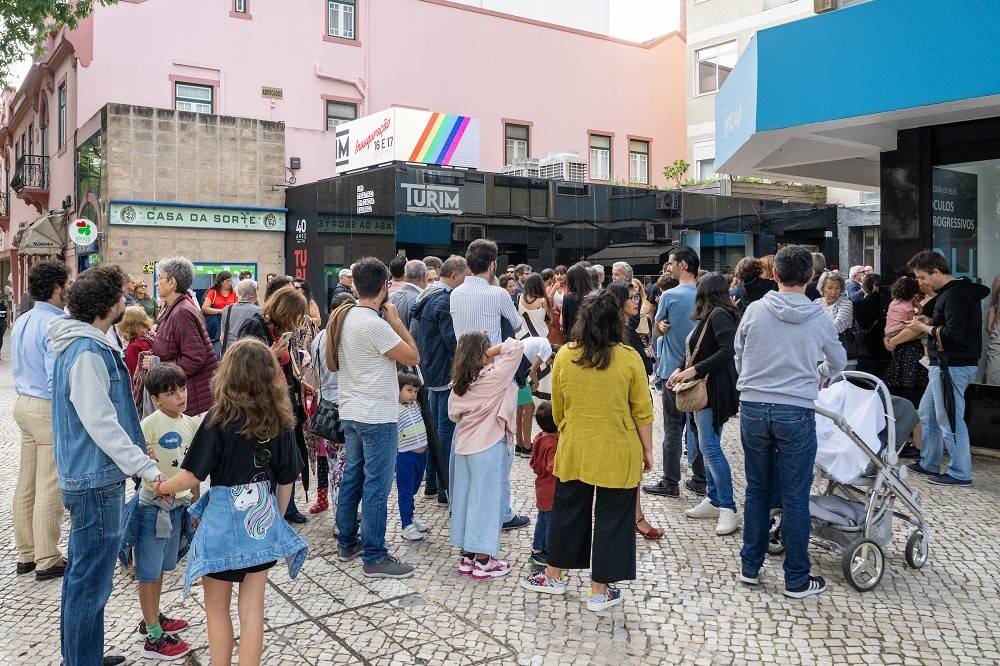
(468,232)
(823,6)
(668,200)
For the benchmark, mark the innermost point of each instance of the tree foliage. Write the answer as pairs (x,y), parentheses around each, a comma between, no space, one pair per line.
(26,23)
(676,171)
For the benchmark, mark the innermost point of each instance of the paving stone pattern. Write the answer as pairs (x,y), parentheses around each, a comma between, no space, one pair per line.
(686,608)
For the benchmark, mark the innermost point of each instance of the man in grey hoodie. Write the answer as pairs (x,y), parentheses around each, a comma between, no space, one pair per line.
(98,444)
(785,343)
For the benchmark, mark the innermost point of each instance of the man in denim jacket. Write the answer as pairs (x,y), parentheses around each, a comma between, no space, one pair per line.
(98,444)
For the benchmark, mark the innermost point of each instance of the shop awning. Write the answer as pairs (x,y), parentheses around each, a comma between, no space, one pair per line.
(634,254)
(818,100)
(45,237)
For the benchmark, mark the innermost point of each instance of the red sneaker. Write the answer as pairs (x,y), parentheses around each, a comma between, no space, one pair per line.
(164,648)
(171,625)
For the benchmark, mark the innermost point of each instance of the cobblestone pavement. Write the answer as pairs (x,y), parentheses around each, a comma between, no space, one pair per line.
(685,608)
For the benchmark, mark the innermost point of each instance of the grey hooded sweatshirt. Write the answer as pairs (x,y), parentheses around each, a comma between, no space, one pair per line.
(88,391)
(784,344)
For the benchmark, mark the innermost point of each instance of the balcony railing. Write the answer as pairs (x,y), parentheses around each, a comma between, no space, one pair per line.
(32,171)
(5,204)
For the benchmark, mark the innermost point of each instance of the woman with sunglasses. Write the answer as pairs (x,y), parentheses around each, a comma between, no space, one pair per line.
(143,298)
(629,299)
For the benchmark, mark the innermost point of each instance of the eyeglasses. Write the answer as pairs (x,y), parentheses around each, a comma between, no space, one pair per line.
(636,297)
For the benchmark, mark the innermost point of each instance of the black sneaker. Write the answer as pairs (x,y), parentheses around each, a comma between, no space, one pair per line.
(698,489)
(909,452)
(915,467)
(814,585)
(298,518)
(538,558)
(348,554)
(516,523)
(948,480)
(661,488)
(442,498)
(388,567)
(518,451)
(113,660)
(525,452)
(430,492)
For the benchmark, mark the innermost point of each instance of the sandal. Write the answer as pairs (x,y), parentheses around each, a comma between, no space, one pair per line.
(653,534)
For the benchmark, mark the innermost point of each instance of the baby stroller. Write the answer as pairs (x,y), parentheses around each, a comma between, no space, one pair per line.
(853,516)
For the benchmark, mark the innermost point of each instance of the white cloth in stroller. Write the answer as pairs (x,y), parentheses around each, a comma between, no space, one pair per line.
(836,453)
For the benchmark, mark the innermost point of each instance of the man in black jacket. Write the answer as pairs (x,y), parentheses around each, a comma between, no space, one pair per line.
(956,339)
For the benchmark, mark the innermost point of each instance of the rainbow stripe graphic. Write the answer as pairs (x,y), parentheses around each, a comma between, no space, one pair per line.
(440,138)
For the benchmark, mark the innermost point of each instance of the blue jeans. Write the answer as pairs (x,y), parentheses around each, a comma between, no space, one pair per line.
(541,540)
(937,429)
(409,471)
(718,476)
(505,507)
(779,442)
(291,509)
(95,534)
(438,402)
(368,472)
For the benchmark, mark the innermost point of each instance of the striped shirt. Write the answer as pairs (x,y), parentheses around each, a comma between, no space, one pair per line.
(476,305)
(412,433)
(367,384)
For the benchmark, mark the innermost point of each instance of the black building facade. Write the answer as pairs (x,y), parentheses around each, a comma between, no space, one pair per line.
(422,211)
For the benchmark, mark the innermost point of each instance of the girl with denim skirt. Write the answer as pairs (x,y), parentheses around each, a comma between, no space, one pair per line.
(483,404)
(250,455)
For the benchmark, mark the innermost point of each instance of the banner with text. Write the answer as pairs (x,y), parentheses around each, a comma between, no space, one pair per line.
(955,219)
(408,135)
(151,214)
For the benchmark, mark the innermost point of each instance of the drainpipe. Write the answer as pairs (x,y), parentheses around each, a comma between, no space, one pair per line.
(360,84)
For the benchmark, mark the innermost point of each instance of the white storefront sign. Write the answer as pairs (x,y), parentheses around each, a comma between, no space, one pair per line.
(408,135)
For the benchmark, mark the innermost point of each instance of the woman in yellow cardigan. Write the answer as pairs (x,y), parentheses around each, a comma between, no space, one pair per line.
(602,405)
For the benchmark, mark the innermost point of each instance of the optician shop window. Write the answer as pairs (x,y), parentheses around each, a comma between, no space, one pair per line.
(965,223)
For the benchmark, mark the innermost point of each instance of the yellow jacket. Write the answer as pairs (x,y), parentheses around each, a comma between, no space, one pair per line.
(597,412)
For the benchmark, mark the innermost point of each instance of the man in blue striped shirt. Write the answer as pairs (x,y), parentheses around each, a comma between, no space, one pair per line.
(479,304)
(38,507)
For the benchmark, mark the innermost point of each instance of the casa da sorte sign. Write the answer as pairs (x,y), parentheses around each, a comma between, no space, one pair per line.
(150,214)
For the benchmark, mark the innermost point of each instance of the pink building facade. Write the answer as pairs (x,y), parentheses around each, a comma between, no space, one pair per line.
(536,88)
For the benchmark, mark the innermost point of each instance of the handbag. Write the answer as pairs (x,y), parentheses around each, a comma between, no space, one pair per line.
(693,395)
(853,340)
(326,422)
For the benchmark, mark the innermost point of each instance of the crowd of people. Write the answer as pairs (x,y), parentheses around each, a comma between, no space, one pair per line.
(435,373)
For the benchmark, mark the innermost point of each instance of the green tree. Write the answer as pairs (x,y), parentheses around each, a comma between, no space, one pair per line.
(676,171)
(26,23)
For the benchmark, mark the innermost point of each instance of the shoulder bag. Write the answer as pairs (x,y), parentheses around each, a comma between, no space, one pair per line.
(693,395)
(325,422)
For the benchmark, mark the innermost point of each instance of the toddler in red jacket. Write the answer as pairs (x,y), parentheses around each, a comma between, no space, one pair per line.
(543,456)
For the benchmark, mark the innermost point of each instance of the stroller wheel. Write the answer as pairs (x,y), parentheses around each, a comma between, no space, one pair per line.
(916,549)
(775,543)
(864,564)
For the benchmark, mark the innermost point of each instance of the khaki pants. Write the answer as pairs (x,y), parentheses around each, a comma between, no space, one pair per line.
(38,507)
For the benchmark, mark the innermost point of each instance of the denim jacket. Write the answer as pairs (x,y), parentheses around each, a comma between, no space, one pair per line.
(95,428)
(240,527)
(132,521)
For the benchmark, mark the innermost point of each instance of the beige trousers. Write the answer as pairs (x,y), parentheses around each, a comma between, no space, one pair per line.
(38,506)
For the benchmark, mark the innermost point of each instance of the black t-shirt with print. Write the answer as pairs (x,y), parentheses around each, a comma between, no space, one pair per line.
(230,459)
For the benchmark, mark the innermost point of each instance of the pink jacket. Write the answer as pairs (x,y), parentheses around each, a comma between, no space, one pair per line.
(488,410)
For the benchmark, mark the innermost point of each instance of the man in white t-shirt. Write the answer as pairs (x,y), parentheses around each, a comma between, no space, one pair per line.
(372,340)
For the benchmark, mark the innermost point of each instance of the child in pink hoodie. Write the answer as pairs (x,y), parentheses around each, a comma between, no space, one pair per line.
(482,404)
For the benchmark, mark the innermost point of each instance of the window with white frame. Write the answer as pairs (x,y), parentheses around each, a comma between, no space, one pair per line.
(872,249)
(240,6)
(338,113)
(340,19)
(704,160)
(713,65)
(600,157)
(194,97)
(62,116)
(638,161)
(516,139)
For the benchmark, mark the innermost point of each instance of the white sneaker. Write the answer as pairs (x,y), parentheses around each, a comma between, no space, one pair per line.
(411,533)
(703,510)
(421,526)
(729,522)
